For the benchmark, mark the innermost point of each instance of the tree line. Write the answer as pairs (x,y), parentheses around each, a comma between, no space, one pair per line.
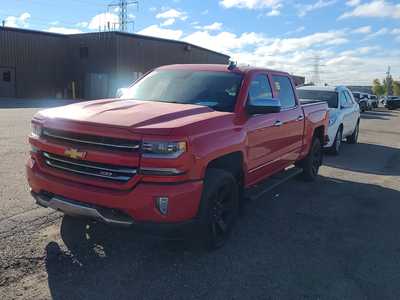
(387,87)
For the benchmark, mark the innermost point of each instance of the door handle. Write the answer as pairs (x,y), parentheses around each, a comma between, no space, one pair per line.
(278,123)
(300,118)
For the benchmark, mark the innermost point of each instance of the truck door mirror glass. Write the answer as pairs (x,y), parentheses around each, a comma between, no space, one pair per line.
(263,106)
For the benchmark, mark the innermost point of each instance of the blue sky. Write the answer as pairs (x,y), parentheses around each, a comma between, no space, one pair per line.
(354,40)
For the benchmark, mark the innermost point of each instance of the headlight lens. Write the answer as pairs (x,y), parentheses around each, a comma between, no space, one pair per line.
(332,120)
(163,149)
(36,130)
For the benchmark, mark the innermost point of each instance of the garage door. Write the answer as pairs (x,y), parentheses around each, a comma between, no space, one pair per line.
(7,82)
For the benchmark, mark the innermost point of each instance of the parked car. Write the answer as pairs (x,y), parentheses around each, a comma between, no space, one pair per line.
(177,151)
(374,101)
(362,100)
(344,113)
(392,102)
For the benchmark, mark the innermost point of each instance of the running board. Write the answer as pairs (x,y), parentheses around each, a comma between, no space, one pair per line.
(272,182)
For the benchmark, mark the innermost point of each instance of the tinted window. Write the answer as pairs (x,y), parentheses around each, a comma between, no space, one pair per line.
(217,90)
(330,97)
(260,88)
(284,90)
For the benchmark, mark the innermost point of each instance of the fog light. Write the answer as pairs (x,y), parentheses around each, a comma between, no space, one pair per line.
(162,205)
(34,149)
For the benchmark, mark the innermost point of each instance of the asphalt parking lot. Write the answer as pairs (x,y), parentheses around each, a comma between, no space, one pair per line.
(337,238)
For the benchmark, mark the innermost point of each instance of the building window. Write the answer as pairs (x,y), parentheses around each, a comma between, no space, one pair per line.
(7,76)
(84,52)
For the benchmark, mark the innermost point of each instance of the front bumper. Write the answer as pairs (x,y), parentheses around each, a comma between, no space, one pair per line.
(134,206)
(332,130)
(392,104)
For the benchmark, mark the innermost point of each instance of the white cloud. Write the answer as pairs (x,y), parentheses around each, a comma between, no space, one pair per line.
(380,32)
(353,2)
(64,30)
(395,31)
(156,31)
(18,21)
(363,29)
(224,41)
(274,13)
(297,30)
(168,22)
(305,9)
(102,21)
(172,14)
(82,24)
(212,27)
(251,4)
(376,8)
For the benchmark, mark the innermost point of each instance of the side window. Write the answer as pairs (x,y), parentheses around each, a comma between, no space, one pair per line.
(342,99)
(350,100)
(284,90)
(260,88)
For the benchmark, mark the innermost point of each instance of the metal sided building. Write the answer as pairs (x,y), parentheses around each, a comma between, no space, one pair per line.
(91,65)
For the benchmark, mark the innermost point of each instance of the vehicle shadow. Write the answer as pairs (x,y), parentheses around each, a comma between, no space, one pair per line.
(332,239)
(367,158)
(33,103)
(377,114)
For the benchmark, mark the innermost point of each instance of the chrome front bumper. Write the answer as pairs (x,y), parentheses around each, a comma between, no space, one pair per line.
(74,208)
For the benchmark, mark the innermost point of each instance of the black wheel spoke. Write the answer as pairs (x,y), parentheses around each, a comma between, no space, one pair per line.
(222,225)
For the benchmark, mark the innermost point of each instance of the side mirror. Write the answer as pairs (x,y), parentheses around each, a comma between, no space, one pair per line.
(121,92)
(263,106)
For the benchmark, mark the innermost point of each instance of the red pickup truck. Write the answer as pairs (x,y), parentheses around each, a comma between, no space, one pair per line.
(177,151)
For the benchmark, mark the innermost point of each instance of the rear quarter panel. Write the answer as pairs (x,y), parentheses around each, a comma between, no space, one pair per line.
(316,115)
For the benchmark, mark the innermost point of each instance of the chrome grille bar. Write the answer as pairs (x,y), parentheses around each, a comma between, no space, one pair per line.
(89,168)
(51,134)
(83,164)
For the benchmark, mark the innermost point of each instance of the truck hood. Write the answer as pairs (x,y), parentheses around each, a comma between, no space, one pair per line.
(148,117)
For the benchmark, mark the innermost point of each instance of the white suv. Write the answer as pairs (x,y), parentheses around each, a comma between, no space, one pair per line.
(344,112)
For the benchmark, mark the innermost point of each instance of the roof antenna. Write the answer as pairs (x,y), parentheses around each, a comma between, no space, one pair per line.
(232,65)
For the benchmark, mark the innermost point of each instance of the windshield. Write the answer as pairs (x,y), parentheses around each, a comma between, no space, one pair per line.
(217,90)
(330,97)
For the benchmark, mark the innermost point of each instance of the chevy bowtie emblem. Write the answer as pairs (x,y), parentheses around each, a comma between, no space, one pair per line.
(74,154)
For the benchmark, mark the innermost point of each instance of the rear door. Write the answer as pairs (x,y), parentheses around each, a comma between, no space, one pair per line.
(347,111)
(354,111)
(264,134)
(291,117)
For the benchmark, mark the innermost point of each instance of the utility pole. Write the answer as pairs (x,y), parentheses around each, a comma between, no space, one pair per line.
(389,89)
(315,74)
(123,6)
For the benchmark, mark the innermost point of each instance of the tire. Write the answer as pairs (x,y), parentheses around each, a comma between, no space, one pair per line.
(312,162)
(219,208)
(335,149)
(354,136)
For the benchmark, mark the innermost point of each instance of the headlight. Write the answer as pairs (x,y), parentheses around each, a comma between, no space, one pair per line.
(36,130)
(332,120)
(163,149)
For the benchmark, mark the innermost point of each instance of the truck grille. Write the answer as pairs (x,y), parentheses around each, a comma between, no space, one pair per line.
(90,140)
(85,168)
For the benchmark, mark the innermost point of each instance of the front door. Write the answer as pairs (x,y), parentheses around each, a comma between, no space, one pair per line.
(7,82)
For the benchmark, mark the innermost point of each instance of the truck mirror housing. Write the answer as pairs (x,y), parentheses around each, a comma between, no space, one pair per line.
(120,92)
(263,106)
